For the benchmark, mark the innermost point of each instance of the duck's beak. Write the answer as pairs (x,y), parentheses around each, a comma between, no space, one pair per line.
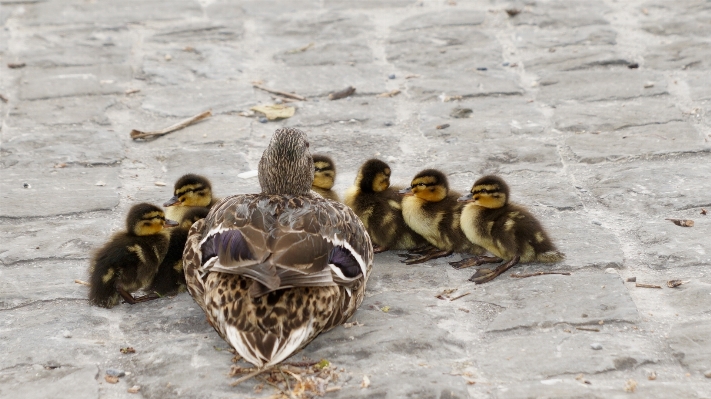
(173,201)
(406,191)
(170,223)
(465,198)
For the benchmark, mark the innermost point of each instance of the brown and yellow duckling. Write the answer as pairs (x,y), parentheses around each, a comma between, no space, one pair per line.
(378,205)
(324,177)
(433,212)
(130,260)
(506,230)
(190,191)
(170,278)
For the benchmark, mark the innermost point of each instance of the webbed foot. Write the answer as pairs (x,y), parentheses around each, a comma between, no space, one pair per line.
(474,261)
(485,275)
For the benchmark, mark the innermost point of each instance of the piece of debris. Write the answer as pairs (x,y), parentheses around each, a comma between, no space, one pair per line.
(159,183)
(413,76)
(582,379)
(587,329)
(513,12)
(633,66)
(26,185)
(134,389)
(482,69)
(443,126)
(275,111)
(675,283)
(649,85)
(278,92)
(445,294)
(263,119)
(246,114)
(127,350)
(385,309)
(631,279)
(249,174)
(301,49)
(451,98)
(111,379)
(707,374)
(630,385)
(645,11)
(115,373)
(596,346)
(60,165)
(3,98)
(348,91)
(391,76)
(128,92)
(651,375)
(137,134)
(682,222)
(459,112)
(100,183)
(524,275)
(642,285)
(391,93)
(353,324)
(460,296)
(366,382)
(66,334)
(464,310)
(703,211)
(16,65)
(82,282)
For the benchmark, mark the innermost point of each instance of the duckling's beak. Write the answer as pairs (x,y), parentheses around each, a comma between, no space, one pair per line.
(170,223)
(173,201)
(466,198)
(406,191)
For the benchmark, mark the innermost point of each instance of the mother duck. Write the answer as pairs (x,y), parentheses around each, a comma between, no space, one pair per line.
(275,269)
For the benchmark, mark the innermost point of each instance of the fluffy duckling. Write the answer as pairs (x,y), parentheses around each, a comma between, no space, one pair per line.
(378,207)
(433,212)
(170,278)
(130,260)
(273,270)
(190,191)
(324,177)
(506,230)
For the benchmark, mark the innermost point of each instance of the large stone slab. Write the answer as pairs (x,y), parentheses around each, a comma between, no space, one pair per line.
(60,111)
(225,163)
(321,80)
(528,37)
(359,113)
(608,116)
(691,300)
(452,18)
(602,388)
(38,382)
(323,26)
(691,343)
(44,280)
(575,58)
(684,54)
(220,96)
(562,14)
(579,299)
(464,84)
(57,191)
(652,189)
(333,53)
(699,86)
(686,18)
(600,85)
(670,247)
(667,138)
(37,84)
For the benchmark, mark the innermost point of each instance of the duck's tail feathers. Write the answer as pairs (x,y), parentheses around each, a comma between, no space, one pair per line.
(551,256)
(102,286)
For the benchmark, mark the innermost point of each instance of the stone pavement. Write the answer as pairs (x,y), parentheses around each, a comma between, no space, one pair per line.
(601,152)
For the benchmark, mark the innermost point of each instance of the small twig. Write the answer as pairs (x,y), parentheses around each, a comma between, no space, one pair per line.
(16,65)
(302,364)
(301,49)
(137,134)
(587,329)
(283,392)
(250,375)
(461,296)
(342,94)
(286,379)
(281,93)
(3,98)
(391,93)
(524,275)
(675,283)
(82,282)
(682,222)
(333,389)
(642,285)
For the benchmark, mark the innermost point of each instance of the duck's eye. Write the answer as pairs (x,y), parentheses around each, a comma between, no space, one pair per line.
(307,144)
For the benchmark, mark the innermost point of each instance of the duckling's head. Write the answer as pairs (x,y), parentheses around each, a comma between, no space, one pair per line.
(324,172)
(191,190)
(431,185)
(373,176)
(286,166)
(488,192)
(147,219)
(193,215)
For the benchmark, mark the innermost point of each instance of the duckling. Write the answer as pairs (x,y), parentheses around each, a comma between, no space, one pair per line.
(506,230)
(129,261)
(378,207)
(170,278)
(273,270)
(190,190)
(324,177)
(432,211)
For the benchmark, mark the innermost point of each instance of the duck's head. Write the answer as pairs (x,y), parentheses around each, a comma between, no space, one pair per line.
(191,190)
(147,219)
(488,192)
(324,172)
(431,185)
(286,166)
(373,176)
(193,215)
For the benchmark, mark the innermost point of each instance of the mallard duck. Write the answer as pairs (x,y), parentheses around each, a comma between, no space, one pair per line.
(432,211)
(130,260)
(324,177)
(170,278)
(506,230)
(189,191)
(378,207)
(275,269)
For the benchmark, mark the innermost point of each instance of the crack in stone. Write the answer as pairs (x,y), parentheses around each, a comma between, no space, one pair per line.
(39,301)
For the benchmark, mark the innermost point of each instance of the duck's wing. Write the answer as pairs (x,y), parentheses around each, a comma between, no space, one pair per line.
(285,241)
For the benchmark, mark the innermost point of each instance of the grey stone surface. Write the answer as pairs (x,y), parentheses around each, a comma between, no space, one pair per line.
(599,153)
